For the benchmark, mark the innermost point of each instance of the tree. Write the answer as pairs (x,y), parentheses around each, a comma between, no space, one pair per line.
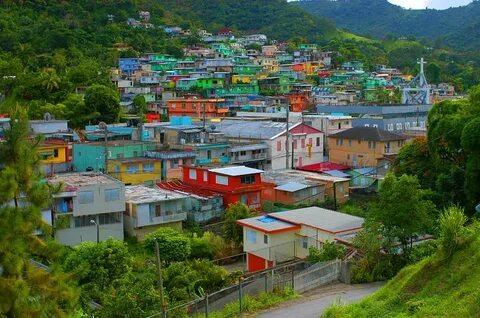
(104,100)
(173,245)
(471,145)
(403,209)
(50,79)
(26,291)
(140,105)
(98,266)
(232,231)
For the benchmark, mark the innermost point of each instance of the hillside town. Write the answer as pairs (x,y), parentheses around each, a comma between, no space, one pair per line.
(240,167)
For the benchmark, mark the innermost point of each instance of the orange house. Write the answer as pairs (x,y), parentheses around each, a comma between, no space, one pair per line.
(363,146)
(197,108)
(299,102)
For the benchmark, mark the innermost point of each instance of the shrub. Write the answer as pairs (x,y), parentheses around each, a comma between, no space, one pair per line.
(452,230)
(208,246)
(173,245)
(329,251)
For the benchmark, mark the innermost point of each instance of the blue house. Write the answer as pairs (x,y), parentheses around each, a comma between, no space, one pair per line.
(128,65)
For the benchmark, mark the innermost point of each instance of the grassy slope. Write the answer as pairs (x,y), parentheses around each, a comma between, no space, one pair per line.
(430,288)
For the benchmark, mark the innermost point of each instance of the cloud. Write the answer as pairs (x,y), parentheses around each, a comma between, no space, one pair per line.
(433,4)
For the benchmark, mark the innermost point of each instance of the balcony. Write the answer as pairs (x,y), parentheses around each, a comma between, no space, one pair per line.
(247,158)
(175,217)
(212,160)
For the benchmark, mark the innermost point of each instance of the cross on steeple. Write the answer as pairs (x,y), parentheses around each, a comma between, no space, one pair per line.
(422,62)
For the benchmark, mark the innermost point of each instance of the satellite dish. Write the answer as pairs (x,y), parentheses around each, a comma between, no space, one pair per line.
(213,127)
(47,116)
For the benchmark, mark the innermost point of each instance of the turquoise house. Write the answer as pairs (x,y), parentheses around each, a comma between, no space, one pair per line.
(364,178)
(91,156)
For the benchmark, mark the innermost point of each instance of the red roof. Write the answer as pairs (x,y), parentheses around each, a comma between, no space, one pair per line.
(178,185)
(323,166)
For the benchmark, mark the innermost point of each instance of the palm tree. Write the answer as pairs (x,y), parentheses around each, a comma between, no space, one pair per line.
(50,79)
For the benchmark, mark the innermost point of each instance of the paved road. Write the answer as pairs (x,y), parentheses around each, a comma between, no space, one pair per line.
(311,305)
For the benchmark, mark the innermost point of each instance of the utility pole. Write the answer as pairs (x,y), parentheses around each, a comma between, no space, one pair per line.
(293,153)
(98,230)
(103,126)
(287,143)
(204,116)
(160,278)
(334,196)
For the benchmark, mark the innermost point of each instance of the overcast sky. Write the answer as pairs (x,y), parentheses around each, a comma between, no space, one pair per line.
(432,4)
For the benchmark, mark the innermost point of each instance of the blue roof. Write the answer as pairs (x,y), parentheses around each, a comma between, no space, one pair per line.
(365,171)
(337,173)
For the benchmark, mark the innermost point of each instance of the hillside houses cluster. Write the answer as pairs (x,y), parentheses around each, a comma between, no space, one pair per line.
(248,120)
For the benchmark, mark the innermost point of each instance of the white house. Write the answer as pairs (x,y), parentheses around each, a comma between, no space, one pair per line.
(87,200)
(283,236)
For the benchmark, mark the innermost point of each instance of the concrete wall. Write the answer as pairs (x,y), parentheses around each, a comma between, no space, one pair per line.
(76,235)
(99,205)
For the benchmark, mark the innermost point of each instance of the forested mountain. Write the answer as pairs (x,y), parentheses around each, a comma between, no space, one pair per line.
(456,27)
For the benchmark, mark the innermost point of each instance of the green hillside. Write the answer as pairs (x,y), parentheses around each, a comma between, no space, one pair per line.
(433,287)
(457,27)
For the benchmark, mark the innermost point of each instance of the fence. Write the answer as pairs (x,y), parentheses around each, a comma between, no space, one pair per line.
(296,275)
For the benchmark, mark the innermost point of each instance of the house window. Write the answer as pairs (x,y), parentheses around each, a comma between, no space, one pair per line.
(192,174)
(340,187)
(350,142)
(119,155)
(223,180)
(55,153)
(305,242)
(318,141)
(173,163)
(132,169)
(243,153)
(85,197)
(135,153)
(184,106)
(279,145)
(251,236)
(244,198)
(205,176)
(348,156)
(148,167)
(255,198)
(109,218)
(158,210)
(302,143)
(265,238)
(247,179)
(84,220)
(112,195)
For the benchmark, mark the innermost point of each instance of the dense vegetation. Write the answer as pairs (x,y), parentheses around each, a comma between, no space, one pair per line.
(457,27)
(442,285)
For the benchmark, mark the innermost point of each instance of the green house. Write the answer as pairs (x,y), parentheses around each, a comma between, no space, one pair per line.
(247,69)
(149,98)
(240,89)
(209,83)
(372,83)
(186,84)
(309,47)
(91,156)
(163,66)
(274,85)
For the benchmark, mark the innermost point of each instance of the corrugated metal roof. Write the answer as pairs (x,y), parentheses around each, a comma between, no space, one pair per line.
(250,129)
(236,171)
(337,173)
(139,194)
(292,187)
(249,147)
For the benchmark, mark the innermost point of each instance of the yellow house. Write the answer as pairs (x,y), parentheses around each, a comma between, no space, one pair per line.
(242,79)
(54,157)
(363,146)
(136,170)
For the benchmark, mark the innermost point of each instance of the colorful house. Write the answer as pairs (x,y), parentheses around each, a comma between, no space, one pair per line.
(197,108)
(292,193)
(363,146)
(272,239)
(138,170)
(202,205)
(150,208)
(209,83)
(55,156)
(91,156)
(235,183)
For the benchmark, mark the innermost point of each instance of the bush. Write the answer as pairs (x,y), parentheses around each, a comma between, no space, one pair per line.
(423,250)
(208,246)
(452,230)
(329,251)
(173,245)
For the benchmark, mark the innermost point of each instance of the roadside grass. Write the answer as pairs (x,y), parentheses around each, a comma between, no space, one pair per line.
(433,287)
(252,305)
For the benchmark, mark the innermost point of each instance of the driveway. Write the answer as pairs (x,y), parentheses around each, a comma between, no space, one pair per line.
(312,304)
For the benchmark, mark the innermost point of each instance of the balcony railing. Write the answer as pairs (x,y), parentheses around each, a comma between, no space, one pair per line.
(257,156)
(175,217)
